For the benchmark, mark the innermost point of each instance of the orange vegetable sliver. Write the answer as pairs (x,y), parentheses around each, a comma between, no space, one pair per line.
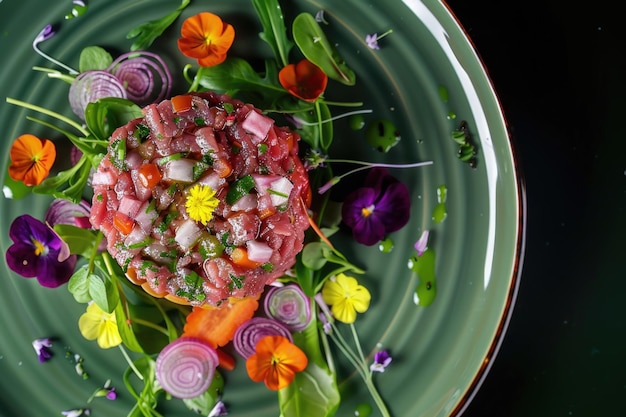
(239,256)
(217,325)
(123,223)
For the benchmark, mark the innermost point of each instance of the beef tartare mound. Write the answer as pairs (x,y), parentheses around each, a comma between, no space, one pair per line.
(201,199)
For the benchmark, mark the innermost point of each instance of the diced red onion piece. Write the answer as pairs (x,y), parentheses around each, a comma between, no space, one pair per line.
(89,86)
(279,191)
(145,75)
(259,251)
(179,170)
(185,367)
(258,125)
(289,306)
(187,234)
(251,331)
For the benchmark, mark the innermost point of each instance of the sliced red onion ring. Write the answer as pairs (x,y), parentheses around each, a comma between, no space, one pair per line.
(288,305)
(63,211)
(253,330)
(185,367)
(89,86)
(145,76)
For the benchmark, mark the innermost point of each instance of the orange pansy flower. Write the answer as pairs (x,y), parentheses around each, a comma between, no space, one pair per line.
(206,38)
(31,159)
(304,80)
(275,362)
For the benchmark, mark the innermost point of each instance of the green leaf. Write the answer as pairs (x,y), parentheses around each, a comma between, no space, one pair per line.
(315,255)
(68,184)
(94,58)
(274,30)
(314,392)
(146,33)
(78,285)
(81,241)
(104,293)
(236,74)
(315,46)
(204,403)
(126,329)
(107,114)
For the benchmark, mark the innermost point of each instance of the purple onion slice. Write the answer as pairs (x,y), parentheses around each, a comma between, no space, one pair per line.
(89,86)
(185,367)
(251,331)
(288,305)
(145,76)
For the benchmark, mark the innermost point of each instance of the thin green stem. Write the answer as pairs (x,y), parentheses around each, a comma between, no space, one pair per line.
(131,364)
(48,112)
(151,325)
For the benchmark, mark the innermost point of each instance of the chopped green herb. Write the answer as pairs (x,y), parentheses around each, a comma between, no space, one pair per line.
(239,188)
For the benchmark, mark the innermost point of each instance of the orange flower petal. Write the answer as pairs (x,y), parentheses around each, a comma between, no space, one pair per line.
(304,80)
(276,362)
(206,38)
(31,159)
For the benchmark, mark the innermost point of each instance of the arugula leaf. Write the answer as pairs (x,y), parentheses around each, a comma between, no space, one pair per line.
(315,46)
(107,114)
(94,58)
(104,293)
(68,184)
(274,30)
(147,32)
(236,74)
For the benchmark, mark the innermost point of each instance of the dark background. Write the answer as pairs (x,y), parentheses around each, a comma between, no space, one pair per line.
(558,68)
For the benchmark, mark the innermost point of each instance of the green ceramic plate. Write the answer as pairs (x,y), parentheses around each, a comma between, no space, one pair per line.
(441,352)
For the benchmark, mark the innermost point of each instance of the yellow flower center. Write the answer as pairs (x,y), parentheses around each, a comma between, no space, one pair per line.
(201,202)
(367,211)
(39,247)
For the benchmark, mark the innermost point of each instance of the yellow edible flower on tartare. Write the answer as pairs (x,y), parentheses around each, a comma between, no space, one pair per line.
(346,297)
(96,324)
(201,202)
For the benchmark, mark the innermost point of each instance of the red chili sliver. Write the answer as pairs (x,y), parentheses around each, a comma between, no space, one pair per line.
(185,367)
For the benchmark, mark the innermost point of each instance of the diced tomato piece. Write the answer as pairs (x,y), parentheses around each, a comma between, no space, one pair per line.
(123,223)
(149,175)
(181,103)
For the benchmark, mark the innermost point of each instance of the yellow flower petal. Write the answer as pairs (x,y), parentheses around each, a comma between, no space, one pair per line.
(346,297)
(96,324)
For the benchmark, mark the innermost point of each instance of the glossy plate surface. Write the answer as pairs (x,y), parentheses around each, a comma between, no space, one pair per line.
(441,351)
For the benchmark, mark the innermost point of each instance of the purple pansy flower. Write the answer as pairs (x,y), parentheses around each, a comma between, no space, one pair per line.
(42,347)
(38,252)
(378,208)
(381,361)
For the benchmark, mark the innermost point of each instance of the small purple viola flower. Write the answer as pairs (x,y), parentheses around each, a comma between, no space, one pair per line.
(42,347)
(381,206)
(218,410)
(38,252)
(381,361)
(371,40)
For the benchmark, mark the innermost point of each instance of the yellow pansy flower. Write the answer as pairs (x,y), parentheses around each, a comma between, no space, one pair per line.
(346,297)
(98,324)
